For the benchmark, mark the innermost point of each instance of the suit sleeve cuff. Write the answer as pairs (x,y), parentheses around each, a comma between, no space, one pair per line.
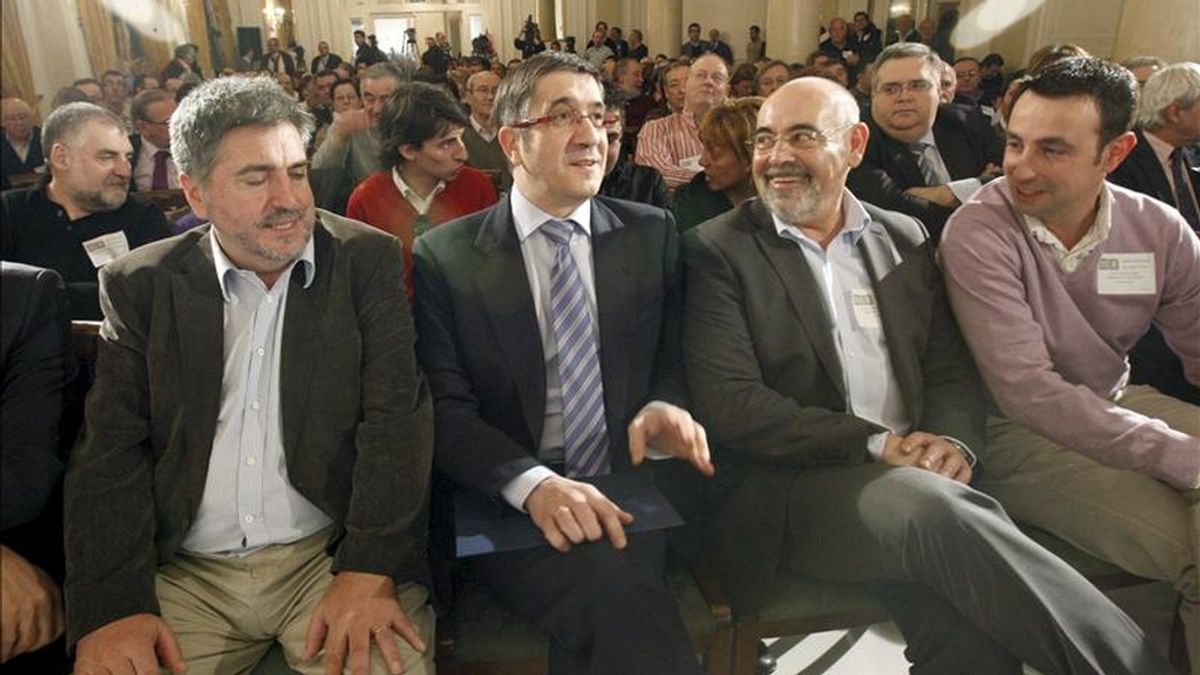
(875,444)
(518,489)
(964,188)
(962,447)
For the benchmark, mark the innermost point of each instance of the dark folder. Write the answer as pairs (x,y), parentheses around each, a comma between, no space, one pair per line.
(486,525)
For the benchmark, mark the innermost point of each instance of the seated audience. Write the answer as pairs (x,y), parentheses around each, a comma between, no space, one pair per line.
(91,88)
(483,148)
(922,158)
(80,218)
(843,408)
(1143,67)
(865,39)
(771,77)
(258,434)
(726,131)
(719,47)
(904,31)
(1054,274)
(694,47)
(991,76)
(112,83)
(672,89)
(153,167)
(425,181)
(969,91)
(936,40)
(510,305)
(350,152)
(622,178)
(1165,164)
(741,83)
(35,366)
(21,152)
(672,144)
(637,102)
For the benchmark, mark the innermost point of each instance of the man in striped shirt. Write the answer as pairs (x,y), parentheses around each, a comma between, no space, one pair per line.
(672,144)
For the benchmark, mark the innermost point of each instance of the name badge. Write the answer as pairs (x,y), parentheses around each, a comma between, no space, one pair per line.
(691,164)
(866,312)
(1125,274)
(107,248)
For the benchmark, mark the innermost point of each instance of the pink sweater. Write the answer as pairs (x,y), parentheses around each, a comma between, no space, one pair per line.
(1052,350)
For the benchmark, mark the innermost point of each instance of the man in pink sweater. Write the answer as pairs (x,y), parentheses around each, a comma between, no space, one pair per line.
(1054,274)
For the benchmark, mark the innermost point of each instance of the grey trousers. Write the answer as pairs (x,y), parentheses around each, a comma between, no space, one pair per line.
(970,591)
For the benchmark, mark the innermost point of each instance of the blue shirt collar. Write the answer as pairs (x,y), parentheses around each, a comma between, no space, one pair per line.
(225,266)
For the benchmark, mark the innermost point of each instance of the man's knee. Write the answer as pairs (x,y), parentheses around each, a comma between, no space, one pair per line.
(907,501)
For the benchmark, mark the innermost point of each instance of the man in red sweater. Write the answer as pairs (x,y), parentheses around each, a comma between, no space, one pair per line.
(425,181)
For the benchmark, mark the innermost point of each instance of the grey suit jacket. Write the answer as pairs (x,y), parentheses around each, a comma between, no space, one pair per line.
(767,383)
(356,415)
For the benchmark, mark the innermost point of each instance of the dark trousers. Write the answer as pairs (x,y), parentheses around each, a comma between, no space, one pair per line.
(970,592)
(608,612)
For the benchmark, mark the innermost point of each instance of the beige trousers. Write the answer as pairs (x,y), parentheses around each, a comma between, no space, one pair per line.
(1132,520)
(227,612)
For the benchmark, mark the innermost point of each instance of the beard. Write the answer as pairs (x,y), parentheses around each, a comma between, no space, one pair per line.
(793,204)
(109,197)
(248,240)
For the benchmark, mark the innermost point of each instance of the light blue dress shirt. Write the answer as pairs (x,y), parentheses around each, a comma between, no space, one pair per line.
(248,502)
(872,392)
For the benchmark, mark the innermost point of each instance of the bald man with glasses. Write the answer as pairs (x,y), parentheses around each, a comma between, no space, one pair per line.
(672,144)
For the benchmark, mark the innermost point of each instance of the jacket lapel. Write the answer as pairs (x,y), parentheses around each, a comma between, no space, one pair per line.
(301,345)
(802,290)
(199,319)
(503,288)
(616,302)
(895,302)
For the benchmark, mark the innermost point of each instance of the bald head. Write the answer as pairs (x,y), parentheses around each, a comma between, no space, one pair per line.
(808,137)
(18,119)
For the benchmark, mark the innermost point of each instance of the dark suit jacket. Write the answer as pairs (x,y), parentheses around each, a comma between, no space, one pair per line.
(289,63)
(480,344)
(889,168)
(332,62)
(11,164)
(355,415)
(767,383)
(1141,171)
(35,364)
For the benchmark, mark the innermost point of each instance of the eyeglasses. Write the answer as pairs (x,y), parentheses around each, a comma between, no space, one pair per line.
(914,86)
(712,77)
(804,138)
(565,119)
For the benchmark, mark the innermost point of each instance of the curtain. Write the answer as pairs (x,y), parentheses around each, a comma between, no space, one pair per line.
(17,75)
(99,35)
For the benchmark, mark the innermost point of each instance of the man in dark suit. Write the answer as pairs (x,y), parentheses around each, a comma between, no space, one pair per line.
(843,406)
(1165,164)
(510,303)
(325,59)
(22,141)
(278,61)
(923,159)
(35,366)
(258,433)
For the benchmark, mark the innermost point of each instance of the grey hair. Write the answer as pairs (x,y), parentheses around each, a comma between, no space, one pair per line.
(219,106)
(378,71)
(1143,61)
(516,89)
(1177,83)
(911,50)
(68,120)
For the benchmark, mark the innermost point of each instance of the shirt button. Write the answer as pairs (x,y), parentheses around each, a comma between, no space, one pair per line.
(251,461)
(270,300)
(255,405)
(260,351)
(249,519)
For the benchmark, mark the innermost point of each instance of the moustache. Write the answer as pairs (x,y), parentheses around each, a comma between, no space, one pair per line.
(280,216)
(786,171)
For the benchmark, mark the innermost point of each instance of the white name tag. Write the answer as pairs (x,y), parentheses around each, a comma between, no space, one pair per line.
(1125,274)
(105,249)
(691,164)
(866,312)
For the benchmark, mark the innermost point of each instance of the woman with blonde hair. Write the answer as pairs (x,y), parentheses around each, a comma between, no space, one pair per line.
(725,132)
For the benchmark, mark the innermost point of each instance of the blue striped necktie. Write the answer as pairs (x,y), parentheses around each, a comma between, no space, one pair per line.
(585,434)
